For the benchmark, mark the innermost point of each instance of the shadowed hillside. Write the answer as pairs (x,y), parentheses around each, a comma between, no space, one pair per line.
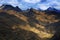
(31,24)
(9,29)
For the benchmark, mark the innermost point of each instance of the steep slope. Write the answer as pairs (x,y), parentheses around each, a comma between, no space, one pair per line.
(10,28)
(28,25)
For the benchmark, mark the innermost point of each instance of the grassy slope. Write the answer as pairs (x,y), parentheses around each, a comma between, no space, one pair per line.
(36,26)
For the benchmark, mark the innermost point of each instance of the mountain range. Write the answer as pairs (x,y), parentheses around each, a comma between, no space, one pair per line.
(30,24)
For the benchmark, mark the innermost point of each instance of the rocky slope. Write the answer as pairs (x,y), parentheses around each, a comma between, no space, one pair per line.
(30,24)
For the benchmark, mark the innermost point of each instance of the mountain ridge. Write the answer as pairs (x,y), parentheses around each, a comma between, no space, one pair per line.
(45,24)
(50,8)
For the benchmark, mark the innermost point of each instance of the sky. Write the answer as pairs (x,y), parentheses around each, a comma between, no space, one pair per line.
(36,4)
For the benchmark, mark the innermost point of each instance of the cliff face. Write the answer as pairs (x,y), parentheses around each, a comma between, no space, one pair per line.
(28,25)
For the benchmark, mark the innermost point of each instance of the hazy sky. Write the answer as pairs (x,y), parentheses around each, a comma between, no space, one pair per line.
(24,4)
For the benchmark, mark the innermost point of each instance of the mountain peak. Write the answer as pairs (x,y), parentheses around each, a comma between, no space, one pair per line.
(10,7)
(51,9)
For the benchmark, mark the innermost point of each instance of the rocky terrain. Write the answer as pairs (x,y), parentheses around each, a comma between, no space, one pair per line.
(30,24)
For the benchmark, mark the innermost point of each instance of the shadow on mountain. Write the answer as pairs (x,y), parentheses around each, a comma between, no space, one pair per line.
(31,18)
(5,17)
(7,21)
(56,36)
(32,22)
(54,12)
(53,26)
(56,27)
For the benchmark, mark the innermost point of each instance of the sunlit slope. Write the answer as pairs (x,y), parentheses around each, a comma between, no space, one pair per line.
(34,21)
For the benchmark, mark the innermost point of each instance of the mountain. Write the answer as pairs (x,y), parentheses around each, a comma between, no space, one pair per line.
(31,24)
(51,9)
(10,7)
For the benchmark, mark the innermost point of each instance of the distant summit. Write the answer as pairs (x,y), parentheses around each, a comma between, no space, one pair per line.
(51,9)
(10,7)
